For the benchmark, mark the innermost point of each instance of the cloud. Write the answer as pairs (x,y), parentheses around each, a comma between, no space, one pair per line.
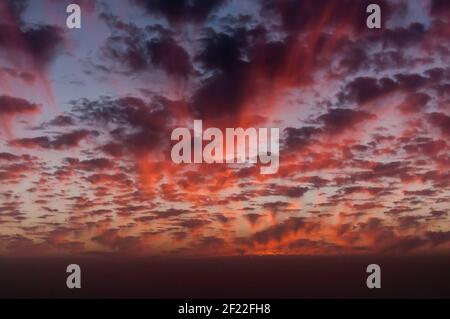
(94,164)
(439,8)
(61,141)
(440,121)
(140,126)
(438,237)
(14,9)
(356,176)
(414,103)
(304,16)
(364,89)
(170,56)
(403,36)
(10,106)
(193,223)
(133,49)
(8,156)
(279,231)
(41,42)
(27,77)
(180,10)
(166,214)
(60,120)
(339,120)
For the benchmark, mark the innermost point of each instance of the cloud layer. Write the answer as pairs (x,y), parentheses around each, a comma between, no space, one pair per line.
(86,117)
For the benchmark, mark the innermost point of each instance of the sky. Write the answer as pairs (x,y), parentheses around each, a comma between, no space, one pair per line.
(86,117)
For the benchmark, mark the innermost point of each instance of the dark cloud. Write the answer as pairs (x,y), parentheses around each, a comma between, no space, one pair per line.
(94,164)
(276,207)
(438,237)
(223,93)
(16,171)
(25,76)
(403,36)
(295,138)
(210,242)
(12,106)
(321,245)
(438,74)
(8,157)
(405,244)
(304,15)
(169,213)
(441,121)
(253,218)
(112,238)
(139,126)
(406,222)
(119,179)
(128,50)
(221,96)
(178,11)
(410,81)
(390,168)
(395,211)
(279,231)
(414,103)
(339,120)
(438,214)
(72,139)
(364,89)
(427,147)
(361,189)
(440,7)
(113,149)
(170,56)
(386,60)
(40,42)
(241,67)
(355,59)
(223,51)
(62,141)
(135,49)
(43,42)
(284,190)
(193,223)
(13,9)
(422,192)
(62,120)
